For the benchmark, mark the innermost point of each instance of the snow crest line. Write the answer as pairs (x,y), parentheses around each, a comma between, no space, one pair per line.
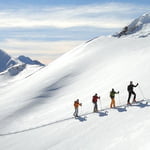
(81,118)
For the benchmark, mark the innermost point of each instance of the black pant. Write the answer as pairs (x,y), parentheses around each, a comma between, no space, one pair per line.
(95,107)
(130,93)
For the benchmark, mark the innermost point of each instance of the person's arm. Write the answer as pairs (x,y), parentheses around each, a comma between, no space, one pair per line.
(97,97)
(136,85)
(116,92)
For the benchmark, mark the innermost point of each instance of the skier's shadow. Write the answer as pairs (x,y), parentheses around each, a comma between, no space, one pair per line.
(82,118)
(121,109)
(103,113)
(142,105)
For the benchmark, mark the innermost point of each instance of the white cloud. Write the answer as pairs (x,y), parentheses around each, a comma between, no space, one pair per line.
(110,15)
(44,51)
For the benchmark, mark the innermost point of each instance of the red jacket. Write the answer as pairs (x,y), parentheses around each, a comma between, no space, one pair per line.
(95,98)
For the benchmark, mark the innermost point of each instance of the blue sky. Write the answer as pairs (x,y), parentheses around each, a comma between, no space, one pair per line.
(45,29)
(68,2)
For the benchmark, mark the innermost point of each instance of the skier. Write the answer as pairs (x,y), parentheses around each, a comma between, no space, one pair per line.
(130,91)
(112,96)
(94,100)
(76,105)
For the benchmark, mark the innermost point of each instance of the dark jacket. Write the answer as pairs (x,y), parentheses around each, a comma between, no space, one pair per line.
(131,86)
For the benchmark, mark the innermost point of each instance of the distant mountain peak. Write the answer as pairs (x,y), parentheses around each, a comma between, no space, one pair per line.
(29,61)
(3,54)
(139,27)
(8,62)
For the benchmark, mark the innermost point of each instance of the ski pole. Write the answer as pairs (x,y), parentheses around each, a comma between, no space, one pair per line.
(141,91)
(100,104)
(81,109)
(119,99)
(82,114)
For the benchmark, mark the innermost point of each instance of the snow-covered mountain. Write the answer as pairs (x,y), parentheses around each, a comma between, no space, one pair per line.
(140,27)
(13,66)
(29,61)
(7,61)
(36,112)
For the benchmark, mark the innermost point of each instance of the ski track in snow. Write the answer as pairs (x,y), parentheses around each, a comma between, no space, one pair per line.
(82,117)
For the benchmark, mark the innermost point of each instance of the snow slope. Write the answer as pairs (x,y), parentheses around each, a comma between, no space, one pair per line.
(36,112)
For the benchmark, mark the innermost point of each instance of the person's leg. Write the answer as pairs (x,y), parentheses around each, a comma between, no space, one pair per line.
(113,102)
(76,112)
(96,108)
(129,97)
(134,98)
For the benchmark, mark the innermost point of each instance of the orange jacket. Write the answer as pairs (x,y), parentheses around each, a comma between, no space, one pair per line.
(76,104)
